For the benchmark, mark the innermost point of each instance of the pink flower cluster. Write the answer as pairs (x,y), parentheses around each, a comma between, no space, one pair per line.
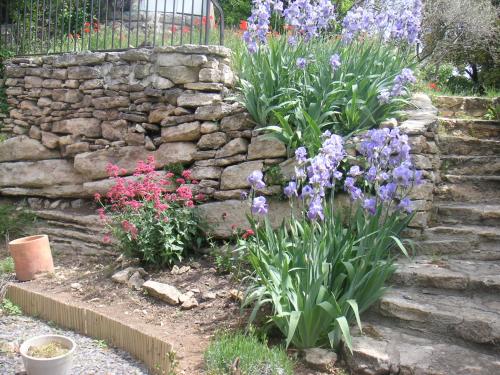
(163,189)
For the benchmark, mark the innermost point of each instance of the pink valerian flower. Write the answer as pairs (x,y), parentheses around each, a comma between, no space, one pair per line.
(97,197)
(169,175)
(186,174)
(189,204)
(106,238)
(130,228)
(102,214)
(200,197)
(184,192)
(112,170)
(180,181)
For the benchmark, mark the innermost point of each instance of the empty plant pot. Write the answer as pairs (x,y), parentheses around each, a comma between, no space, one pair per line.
(59,365)
(31,256)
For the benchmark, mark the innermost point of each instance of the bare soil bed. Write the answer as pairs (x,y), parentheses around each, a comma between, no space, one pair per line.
(86,281)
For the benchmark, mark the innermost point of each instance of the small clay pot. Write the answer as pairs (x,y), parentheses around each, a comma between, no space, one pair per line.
(31,256)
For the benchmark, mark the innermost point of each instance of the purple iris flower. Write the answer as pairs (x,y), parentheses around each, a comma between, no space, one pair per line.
(406,205)
(301,63)
(259,206)
(255,180)
(370,205)
(315,209)
(291,189)
(301,154)
(335,61)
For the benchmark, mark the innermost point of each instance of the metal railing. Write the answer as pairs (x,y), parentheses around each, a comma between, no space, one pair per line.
(34,27)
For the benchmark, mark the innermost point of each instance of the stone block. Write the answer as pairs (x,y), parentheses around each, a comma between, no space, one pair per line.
(235,177)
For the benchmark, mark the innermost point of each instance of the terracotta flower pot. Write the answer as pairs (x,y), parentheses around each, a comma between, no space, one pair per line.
(31,255)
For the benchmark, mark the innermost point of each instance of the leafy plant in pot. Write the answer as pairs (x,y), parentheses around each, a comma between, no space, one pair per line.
(48,354)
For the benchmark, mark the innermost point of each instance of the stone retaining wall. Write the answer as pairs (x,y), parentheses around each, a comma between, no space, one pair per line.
(73,114)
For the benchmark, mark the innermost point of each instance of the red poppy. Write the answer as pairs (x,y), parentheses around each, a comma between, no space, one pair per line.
(185,29)
(87,30)
(433,86)
(87,24)
(174,28)
(243,25)
(204,20)
(196,21)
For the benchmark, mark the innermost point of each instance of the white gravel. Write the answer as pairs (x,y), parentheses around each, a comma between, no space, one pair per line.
(91,357)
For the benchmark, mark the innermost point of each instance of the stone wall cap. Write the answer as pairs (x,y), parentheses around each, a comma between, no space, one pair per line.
(197,49)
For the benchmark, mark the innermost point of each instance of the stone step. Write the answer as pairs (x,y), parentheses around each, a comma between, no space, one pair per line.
(470,165)
(465,242)
(474,318)
(51,231)
(471,188)
(468,213)
(82,218)
(452,274)
(474,128)
(385,350)
(462,145)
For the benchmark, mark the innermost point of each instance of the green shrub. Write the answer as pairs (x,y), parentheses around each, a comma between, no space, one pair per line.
(10,308)
(151,216)
(6,265)
(247,353)
(15,221)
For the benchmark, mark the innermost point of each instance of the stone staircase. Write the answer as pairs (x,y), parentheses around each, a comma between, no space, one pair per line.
(442,315)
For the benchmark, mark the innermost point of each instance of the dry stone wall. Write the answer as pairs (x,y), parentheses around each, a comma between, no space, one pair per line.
(73,114)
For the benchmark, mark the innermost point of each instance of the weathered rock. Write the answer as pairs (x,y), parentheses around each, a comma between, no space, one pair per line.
(235,177)
(208,127)
(44,102)
(35,133)
(213,112)
(162,83)
(136,281)
(177,59)
(320,359)
(204,86)
(265,147)
(209,75)
(93,164)
(114,130)
(31,82)
(67,95)
(76,148)
(89,127)
(83,72)
(189,304)
(50,140)
(233,147)
(92,84)
(184,132)
(179,74)
(240,121)
(223,215)
(25,148)
(206,173)
(212,141)
(110,102)
(42,173)
(164,292)
(198,99)
(69,59)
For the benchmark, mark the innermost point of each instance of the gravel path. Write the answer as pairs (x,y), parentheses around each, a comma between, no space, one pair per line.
(91,357)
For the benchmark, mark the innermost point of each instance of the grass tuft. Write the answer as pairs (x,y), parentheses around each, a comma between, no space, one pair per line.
(230,352)
(6,265)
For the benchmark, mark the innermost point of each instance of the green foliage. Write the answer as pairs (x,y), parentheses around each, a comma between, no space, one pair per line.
(319,277)
(159,240)
(15,221)
(10,308)
(290,100)
(4,106)
(6,265)
(235,11)
(231,351)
